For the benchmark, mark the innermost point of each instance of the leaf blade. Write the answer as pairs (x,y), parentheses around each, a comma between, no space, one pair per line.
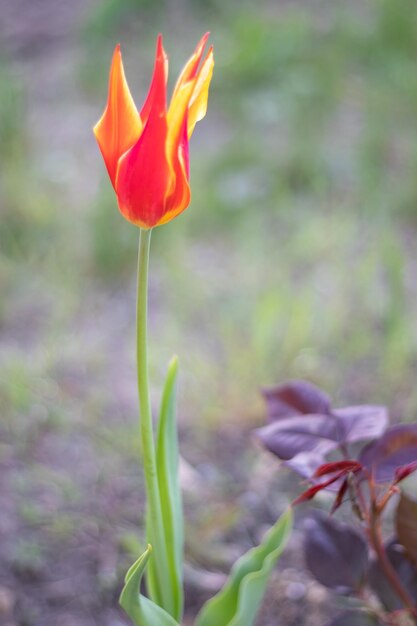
(141,610)
(406,524)
(169,489)
(397,447)
(295,397)
(288,437)
(335,554)
(237,603)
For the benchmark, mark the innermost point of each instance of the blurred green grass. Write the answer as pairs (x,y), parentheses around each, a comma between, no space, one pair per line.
(296,258)
(299,237)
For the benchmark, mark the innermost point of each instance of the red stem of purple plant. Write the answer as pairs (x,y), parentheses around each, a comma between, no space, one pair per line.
(377,543)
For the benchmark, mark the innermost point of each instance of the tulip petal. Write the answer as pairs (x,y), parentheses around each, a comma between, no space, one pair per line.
(190,83)
(144,176)
(146,153)
(177,151)
(198,103)
(160,74)
(177,113)
(181,98)
(180,198)
(190,68)
(120,125)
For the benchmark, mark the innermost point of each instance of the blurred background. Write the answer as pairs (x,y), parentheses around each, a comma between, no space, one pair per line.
(296,259)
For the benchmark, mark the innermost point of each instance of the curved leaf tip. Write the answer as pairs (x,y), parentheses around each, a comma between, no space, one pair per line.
(238,602)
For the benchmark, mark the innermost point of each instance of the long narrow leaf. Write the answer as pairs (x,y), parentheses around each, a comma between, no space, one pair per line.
(152,587)
(238,602)
(141,610)
(169,489)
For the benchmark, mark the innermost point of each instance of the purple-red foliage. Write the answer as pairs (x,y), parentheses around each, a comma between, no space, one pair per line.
(303,431)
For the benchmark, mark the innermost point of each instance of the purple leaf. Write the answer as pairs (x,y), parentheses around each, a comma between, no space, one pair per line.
(335,554)
(355,618)
(363,422)
(340,495)
(312,491)
(305,433)
(406,524)
(406,571)
(396,448)
(401,473)
(342,467)
(296,397)
(303,429)
(305,463)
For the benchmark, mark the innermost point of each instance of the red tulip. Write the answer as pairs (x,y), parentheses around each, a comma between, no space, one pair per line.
(146,153)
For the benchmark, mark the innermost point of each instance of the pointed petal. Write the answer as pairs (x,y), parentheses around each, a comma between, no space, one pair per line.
(179,200)
(178,124)
(190,68)
(120,125)
(181,98)
(144,176)
(192,83)
(177,152)
(198,103)
(160,75)
(177,113)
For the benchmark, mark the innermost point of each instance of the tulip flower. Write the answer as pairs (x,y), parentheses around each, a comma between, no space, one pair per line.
(146,152)
(146,155)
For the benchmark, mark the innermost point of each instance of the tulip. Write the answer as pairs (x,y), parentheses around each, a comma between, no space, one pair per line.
(146,155)
(146,152)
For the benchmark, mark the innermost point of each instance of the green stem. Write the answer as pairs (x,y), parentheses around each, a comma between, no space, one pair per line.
(146,427)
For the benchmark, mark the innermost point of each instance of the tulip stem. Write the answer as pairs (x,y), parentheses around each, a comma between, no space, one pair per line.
(154,512)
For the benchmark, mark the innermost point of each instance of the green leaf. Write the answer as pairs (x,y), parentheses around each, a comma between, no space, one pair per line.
(170,494)
(238,602)
(141,610)
(154,615)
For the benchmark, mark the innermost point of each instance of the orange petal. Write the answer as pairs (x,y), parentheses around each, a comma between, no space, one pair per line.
(198,103)
(177,113)
(144,176)
(190,68)
(177,138)
(177,149)
(184,89)
(178,108)
(160,73)
(181,195)
(120,125)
